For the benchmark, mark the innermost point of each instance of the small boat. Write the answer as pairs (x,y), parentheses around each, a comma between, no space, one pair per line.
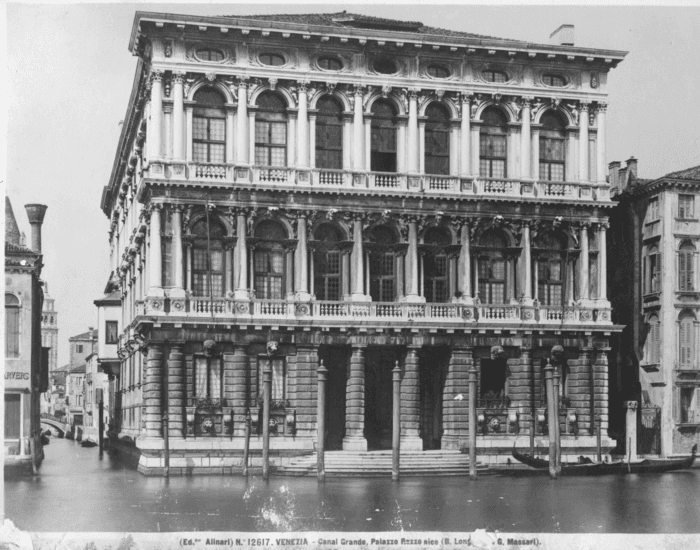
(45,440)
(587,467)
(70,434)
(88,442)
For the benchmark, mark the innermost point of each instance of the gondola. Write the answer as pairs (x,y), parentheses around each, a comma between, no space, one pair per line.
(646,466)
(88,442)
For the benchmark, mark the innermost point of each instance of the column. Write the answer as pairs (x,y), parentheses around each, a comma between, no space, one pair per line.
(230,132)
(177,259)
(241,286)
(354,439)
(571,167)
(455,413)
(583,163)
(520,387)
(292,137)
(464,148)
(454,147)
(156,125)
(306,390)
(421,146)
(581,389)
(154,255)
(152,391)
(601,163)
(358,129)
(584,269)
(250,137)
(242,137)
(525,139)
(348,149)
(535,156)
(236,386)
(410,403)
(526,276)
(189,113)
(168,130)
(345,273)
(302,261)
(464,266)
(303,126)
(413,147)
(631,429)
(412,262)
(358,270)
(178,115)
(312,139)
(475,149)
(176,391)
(603,265)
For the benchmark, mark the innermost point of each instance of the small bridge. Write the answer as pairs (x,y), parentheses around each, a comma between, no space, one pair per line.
(55,423)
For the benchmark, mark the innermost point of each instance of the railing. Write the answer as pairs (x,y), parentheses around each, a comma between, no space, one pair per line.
(271,308)
(499,313)
(441,183)
(329,178)
(558,189)
(206,306)
(273,174)
(209,171)
(493,186)
(386,180)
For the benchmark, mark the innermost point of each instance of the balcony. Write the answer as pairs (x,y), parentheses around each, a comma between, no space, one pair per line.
(396,314)
(327,179)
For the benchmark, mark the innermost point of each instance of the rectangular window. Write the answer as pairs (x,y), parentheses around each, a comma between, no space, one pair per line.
(653,210)
(686,351)
(686,274)
(552,159)
(12,331)
(111,329)
(687,406)
(79,348)
(13,415)
(209,139)
(279,378)
(686,206)
(207,381)
(270,143)
(167,261)
(492,156)
(329,146)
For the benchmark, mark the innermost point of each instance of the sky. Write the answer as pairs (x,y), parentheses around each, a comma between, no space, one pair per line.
(70,75)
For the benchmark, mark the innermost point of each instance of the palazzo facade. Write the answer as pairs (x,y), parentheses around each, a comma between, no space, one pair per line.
(336,188)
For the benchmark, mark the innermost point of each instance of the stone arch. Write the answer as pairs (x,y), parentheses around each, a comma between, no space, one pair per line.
(218,217)
(283,221)
(453,235)
(337,224)
(391,226)
(282,91)
(217,85)
(561,111)
(510,237)
(376,95)
(337,94)
(504,107)
(451,106)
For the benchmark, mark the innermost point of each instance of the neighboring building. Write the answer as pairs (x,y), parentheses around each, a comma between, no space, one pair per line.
(81,346)
(108,320)
(360,191)
(49,340)
(57,380)
(26,363)
(655,282)
(75,396)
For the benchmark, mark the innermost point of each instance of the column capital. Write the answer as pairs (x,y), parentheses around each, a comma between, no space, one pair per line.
(358,89)
(241,81)
(601,107)
(303,85)
(157,75)
(465,97)
(585,105)
(603,225)
(179,77)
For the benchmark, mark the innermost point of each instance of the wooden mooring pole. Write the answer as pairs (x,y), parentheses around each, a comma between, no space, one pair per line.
(267,390)
(396,425)
(557,424)
(472,423)
(599,437)
(246,445)
(322,374)
(551,413)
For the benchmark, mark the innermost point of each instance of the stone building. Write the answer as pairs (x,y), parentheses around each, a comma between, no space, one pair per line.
(655,282)
(334,187)
(49,340)
(26,363)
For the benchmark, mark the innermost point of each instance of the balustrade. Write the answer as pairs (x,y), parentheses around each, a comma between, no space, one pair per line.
(441,183)
(328,178)
(499,313)
(273,174)
(385,180)
(210,171)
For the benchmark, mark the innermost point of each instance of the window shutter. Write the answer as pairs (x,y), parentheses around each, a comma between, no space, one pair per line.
(658,272)
(655,350)
(645,282)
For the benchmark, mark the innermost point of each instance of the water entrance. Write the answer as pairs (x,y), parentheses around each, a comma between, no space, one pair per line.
(335,359)
(433,372)
(379,362)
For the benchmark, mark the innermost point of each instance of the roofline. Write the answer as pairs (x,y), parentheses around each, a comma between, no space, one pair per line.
(225,21)
(107,302)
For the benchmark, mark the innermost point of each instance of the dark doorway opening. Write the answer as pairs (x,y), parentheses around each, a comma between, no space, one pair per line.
(379,362)
(493,378)
(433,372)
(335,359)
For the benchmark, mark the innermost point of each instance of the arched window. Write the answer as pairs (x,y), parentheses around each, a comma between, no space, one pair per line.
(327,263)
(271,131)
(382,265)
(652,270)
(552,148)
(687,354)
(329,134)
(437,140)
(436,274)
(551,269)
(209,127)
(384,128)
(686,267)
(208,259)
(12,311)
(493,154)
(653,343)
(492,268)
(269,260)
(495,76)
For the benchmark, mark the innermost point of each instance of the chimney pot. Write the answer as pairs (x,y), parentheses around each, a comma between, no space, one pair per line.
(36,213)
(613,168)
(632,166)
(563,36)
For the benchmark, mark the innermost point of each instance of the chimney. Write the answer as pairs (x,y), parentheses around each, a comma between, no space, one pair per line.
(563,36)
(632,166)
(613,168)
(35,213)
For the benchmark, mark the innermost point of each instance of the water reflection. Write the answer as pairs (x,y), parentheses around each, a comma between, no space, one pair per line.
(104,494)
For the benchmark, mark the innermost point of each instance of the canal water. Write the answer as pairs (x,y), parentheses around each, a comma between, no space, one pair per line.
(78,491)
